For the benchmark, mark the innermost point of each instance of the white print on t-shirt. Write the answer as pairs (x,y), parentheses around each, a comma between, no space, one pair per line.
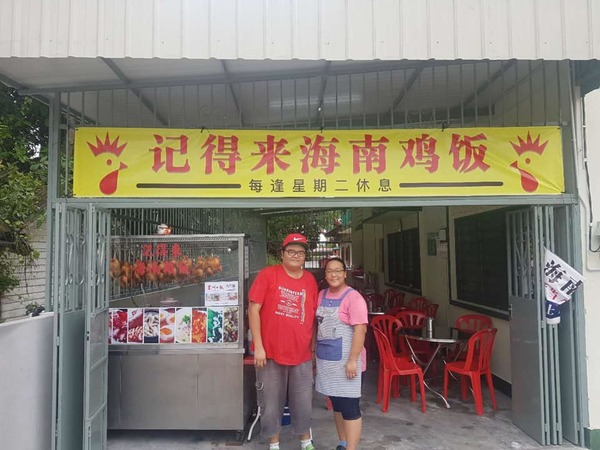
(291,304)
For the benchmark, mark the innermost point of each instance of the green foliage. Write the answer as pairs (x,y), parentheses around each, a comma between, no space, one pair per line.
(7,279)
(21,204)
(310,224)
(23,175)
(273,259)
(23,131)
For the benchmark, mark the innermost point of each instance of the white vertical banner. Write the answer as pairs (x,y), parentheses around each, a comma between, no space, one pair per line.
(560,281)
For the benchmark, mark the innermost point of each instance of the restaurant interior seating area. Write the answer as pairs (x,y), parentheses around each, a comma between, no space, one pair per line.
(412,349)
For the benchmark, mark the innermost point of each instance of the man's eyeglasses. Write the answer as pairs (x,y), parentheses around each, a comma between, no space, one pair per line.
(293,253)
(335,271)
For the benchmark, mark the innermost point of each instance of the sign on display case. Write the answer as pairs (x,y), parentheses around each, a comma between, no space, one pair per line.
(221,293)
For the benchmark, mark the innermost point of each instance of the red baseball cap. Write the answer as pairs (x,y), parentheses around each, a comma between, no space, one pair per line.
(295,238)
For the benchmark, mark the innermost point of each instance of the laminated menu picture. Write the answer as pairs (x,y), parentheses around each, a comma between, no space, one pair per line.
(151,326)
(183,325)
(118,326)
(230,324)
(199,325)
(222,293)
(215,325)
(167,325)
(135,332)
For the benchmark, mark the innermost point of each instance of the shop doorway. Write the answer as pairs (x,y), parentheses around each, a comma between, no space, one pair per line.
(416,95)
(82,234)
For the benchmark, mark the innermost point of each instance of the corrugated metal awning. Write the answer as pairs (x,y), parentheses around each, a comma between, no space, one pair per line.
(50,43)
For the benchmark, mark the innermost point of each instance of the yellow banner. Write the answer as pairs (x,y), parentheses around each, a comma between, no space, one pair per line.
(144,162)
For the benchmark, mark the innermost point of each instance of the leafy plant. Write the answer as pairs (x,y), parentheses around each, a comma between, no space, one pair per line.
(22,202)
(23,175)
(32,307)
(311,224)
(23,131)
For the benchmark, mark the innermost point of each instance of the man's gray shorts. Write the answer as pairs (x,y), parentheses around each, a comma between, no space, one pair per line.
(276,383)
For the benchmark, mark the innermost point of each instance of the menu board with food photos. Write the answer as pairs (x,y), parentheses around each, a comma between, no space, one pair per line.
(177,325)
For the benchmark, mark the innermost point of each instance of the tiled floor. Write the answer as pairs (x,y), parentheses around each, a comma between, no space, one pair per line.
(404,426)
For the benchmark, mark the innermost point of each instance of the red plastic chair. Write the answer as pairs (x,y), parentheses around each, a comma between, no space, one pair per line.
(393,298)
(389,326)
(431,310)
(395,310)
(479,354)
(414,320)
(470,324)
(411,318)
(418,303)
(397,300)
(392,367)
(473,322)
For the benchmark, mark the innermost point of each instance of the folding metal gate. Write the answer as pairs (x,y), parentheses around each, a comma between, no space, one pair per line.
(79,268)
(68,292)
(544,405)
(96,331)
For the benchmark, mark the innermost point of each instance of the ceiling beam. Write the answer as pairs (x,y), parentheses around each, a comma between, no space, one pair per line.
(488,82)
(242,78)
(10,82)
(515,83)
(408,85)
(135,91)
(230,86)
(324,78)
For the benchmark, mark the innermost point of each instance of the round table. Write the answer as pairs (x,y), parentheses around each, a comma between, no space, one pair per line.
(440,337)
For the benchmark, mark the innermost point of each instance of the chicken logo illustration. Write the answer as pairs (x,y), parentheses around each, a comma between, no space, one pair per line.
(108,184)
(529,183)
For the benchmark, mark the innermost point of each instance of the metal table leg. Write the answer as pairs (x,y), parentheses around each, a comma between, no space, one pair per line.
(425,365)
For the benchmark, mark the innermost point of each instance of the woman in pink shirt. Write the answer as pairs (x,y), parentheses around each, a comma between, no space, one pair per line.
(340,353)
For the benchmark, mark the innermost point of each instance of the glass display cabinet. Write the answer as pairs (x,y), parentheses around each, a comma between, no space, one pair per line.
(176,341)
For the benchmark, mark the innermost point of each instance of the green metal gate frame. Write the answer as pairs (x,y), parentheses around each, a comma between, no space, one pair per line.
(96,330)
(553,385)
(81,235)
(68,293)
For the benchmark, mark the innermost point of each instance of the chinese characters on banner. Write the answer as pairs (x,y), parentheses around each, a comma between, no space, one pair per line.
(140,162)
(560,281)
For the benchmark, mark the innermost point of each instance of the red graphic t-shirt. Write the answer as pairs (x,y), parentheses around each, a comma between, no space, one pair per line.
(287,313)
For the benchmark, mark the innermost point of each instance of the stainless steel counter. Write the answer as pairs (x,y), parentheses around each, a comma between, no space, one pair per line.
(183,390)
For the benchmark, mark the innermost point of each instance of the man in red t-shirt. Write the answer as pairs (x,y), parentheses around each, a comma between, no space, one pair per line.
(281,314)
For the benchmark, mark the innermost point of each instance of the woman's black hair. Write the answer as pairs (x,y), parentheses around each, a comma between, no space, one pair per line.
(338,259)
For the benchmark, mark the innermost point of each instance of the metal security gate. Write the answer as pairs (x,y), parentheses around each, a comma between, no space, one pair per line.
(79,290)
(69,286)
(544,405)
(568,334)
(96,330)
